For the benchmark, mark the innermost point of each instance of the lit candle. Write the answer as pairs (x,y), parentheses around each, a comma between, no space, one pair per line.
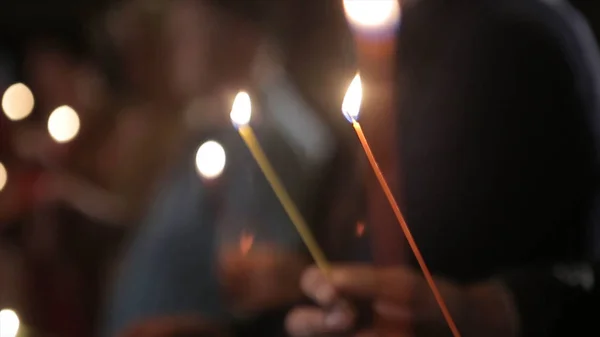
(241,113)
(373,18)
(63,124)
(9,323)
(351,110)
(210,160)
(3,177)
(17,102)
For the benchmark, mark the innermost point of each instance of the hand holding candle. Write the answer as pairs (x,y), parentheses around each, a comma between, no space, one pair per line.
(241,113)
(351,109)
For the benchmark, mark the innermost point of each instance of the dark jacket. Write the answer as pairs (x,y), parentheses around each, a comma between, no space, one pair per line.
(498,119)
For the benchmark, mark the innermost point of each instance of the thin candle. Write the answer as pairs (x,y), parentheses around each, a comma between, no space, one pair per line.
(241,112)
(351,109)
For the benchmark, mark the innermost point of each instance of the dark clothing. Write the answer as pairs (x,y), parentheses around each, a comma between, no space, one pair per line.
(498,108)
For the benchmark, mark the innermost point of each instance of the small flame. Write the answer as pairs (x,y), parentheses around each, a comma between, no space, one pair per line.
(369,14)
(241,110)
(353,99)
(360,229)
(246,242)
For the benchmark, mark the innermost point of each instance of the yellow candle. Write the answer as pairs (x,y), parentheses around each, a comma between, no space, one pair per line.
(241,112)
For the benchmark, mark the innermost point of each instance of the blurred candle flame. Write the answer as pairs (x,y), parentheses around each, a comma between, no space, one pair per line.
(210,159)
(360,229)
(17,102)
(371,14)
(353,100)
(63,124)
(9,323)
(3,177)
(246,242)
(241,109)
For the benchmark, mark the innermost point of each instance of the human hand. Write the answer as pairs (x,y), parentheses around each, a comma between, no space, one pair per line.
(401,301)
(261,278)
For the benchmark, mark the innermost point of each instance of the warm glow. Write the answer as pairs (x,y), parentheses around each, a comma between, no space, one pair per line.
(9,323)
(63,124)
(241,110)
(246,242)
(372,14)
(17,102)
(210,159)
(360,229)
(3,177)
(353,99)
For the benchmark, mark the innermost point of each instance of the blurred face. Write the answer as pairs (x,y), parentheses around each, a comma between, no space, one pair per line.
(190,28)
(208,48)
(196,49)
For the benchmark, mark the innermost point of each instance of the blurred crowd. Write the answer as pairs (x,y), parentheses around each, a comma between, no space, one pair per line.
(107,228)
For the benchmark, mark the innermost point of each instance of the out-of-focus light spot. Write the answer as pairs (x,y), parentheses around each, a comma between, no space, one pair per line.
(360,229)
(246,242)
(63,124)
(3,177)
(210,159)
(17,102)
(372,14)
(9,323)
(241,110)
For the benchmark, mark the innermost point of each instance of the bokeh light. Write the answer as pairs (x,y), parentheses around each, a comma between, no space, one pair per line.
(372,14)
(3,177)
(9,323)
(63,124)
(241,109)
(17,102)
(210,159)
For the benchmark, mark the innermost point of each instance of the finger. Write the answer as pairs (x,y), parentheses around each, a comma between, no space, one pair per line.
(309,321)
(315,285)
(396,284)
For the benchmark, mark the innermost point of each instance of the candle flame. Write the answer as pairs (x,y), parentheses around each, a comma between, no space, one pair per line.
(17,102)
(3,177)
(246,242)
(63,124)
(210,159)
(241,109)
(9,323)
(360,229)
(353,99)
(369,14)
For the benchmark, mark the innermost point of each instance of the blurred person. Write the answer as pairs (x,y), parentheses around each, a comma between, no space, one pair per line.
(190,237)
(499,166)
(503,162)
